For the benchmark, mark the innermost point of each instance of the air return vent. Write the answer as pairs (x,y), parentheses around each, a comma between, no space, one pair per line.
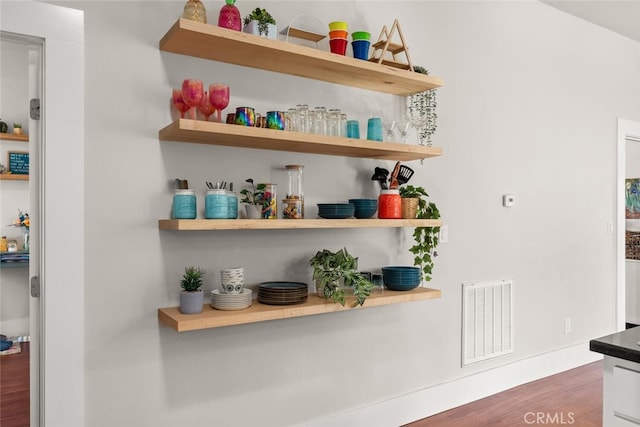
(487,317)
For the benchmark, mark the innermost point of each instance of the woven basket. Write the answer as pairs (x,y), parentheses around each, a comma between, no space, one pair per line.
(409,207)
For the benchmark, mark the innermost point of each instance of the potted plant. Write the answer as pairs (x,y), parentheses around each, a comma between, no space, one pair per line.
(253,198)
(337,272)
(3,127)
(260,23)
(422,111)
(17,128)
(426,238)
(191,296)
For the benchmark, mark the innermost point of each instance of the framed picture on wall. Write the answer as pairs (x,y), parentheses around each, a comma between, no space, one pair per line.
(18,162)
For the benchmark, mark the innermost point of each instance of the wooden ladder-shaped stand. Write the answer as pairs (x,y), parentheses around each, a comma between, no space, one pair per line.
(385,45)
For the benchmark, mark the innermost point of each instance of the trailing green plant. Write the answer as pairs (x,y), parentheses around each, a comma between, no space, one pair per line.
(329,268)
(422,109)
(426,238)
(263,17)
(255,196)
(192,279)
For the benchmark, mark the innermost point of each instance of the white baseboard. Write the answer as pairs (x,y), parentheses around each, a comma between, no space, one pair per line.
(441,397)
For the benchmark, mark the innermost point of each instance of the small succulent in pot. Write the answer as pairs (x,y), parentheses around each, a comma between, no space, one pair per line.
(192,279)
(191,297)
(263,17)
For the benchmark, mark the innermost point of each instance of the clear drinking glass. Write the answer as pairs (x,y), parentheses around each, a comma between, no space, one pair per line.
(303,118)
(343,125)
(320,121)
(334,122)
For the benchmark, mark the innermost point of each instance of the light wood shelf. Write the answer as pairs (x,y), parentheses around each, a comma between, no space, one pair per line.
(202,132)
(234,47)
(14,177)
(290,224)
(13,137)
(212,318)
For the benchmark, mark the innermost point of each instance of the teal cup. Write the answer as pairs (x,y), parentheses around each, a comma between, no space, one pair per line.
(353,129)
(374,129)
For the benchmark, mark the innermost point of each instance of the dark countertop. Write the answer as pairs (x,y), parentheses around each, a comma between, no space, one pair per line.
(623,345)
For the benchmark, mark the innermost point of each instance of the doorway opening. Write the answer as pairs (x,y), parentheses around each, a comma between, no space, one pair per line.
(627,268)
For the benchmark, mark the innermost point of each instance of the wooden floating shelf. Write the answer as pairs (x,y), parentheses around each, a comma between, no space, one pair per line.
(202,132)
(212,318)
(234,47)
(13,137)
(290,224)
(14,177)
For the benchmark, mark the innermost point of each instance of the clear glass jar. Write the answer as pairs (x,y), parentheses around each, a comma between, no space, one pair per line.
(294,202)
(184,204)
(269,202)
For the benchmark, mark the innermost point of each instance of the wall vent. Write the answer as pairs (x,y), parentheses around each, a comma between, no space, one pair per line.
(487,316)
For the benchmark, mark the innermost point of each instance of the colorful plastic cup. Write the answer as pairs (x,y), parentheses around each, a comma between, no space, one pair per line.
(338,34)
(361,49)
(361,35)
(338,46)
(338,25)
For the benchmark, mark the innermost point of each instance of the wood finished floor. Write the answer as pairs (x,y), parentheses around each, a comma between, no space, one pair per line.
(572,397)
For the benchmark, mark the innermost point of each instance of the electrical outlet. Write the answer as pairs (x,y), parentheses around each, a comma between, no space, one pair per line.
(567,325)
(444,234)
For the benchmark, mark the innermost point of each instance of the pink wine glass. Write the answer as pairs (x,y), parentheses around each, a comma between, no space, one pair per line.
(219,97)
(178,102)
(192,93)
(205,107)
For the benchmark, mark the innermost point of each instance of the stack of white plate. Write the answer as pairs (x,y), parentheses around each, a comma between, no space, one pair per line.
(222,301)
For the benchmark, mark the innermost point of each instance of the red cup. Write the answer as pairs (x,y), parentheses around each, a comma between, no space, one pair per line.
(338,46)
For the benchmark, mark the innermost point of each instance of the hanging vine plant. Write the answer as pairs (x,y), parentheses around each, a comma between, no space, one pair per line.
(422,111)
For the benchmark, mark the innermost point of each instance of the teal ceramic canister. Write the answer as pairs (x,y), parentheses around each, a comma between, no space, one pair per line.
(184,204)
(232,205)
(216,204)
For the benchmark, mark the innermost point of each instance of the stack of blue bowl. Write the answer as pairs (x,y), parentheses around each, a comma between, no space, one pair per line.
(365,208)
(336,210)
(401,278)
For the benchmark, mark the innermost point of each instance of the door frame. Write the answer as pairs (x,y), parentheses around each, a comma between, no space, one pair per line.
(60,215)
(627,130)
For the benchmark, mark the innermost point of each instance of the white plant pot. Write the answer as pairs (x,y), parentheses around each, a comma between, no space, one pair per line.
(253,211)
(252,28)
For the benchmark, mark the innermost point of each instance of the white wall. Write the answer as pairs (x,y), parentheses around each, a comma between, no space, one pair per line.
(529,107)
(14,195)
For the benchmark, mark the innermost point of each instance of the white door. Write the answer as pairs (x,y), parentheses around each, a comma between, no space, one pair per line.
(57,192)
